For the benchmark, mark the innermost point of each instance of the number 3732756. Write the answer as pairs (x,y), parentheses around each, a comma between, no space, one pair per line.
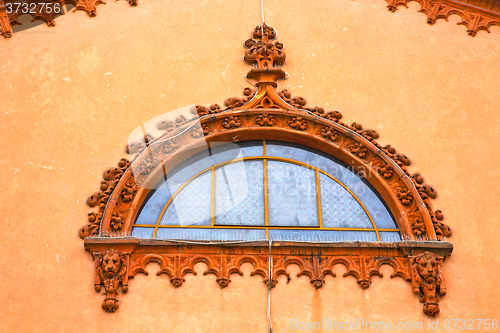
(33,7)
(471,324)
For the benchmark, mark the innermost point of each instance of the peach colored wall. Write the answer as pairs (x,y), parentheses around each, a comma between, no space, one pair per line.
(431,91)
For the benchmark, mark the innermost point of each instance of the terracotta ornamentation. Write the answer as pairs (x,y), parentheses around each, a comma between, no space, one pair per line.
(298,123)
(329,133)
(427,280)
(231,122)
(111,272)
(474,17)
(262,52)
(266,120)
(266,114)
(108,184)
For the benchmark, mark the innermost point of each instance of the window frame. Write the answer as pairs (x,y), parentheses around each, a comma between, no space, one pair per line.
(266,114)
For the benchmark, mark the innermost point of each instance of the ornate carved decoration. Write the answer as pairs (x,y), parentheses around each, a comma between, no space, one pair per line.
(298,123)
(267,114)
(266,120)
(100,199)
(417,226)
(314,261)
(88,6)
(473,17)
(111,271)
(427,280)
(8,19)
(405,196)
(231,122)
(330,133)
(261,51)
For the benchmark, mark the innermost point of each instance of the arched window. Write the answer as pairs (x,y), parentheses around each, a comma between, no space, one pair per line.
(257,190)
(264,171)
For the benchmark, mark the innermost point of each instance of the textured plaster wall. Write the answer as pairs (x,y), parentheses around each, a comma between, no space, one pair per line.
(70,95)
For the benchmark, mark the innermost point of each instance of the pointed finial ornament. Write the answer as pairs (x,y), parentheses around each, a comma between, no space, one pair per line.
(261,51)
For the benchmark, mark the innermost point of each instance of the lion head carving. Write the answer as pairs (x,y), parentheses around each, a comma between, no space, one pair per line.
(111,264)
(427,267)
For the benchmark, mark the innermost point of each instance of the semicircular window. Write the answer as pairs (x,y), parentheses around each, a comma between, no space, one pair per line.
(258,190)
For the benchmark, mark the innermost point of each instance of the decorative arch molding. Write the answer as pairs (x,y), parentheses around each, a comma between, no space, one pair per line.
(476,15)
(266,114)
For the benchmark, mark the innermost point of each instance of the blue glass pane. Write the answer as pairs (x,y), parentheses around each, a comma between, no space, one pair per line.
(231,151)
(291,151)
(292,195)
(192,205)
(152,209)
(339,208)
(239,194)
(146,233)
(188,169)
(373,204)
(322,235)
(338,170)
(390,236)
(210,234)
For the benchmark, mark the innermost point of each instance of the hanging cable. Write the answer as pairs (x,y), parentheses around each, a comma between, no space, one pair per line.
(269,286)
(263,21)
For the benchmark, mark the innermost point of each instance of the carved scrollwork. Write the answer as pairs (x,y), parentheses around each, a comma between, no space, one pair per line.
(88,6)
(333,116)
(110,179)
(298,123)
(117,221)
(266,120)
(231,122)
(166,125)
(330,133)
(111,272)
(261,51)
(170,146)
(401,160)
(423,270)
(358,149)
(473,17)
(386,171)
(405,196)
(296,102)
(417,225)
(427,280)
(234,102)
(147,166)
(441,229)
(129,191)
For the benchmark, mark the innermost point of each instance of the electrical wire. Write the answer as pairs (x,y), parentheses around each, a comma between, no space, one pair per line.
(263,20)
(262,10)
(269,286)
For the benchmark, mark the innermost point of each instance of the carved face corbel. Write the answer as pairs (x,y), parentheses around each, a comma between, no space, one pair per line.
(428,281)
(111,272)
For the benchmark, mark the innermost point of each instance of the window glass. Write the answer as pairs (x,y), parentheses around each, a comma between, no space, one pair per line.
(259,190)
(239,194)
(292,195)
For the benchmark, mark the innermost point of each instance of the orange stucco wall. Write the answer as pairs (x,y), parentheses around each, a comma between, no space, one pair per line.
(70,96)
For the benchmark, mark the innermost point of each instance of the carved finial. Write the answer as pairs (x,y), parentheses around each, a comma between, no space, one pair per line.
(261,51)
